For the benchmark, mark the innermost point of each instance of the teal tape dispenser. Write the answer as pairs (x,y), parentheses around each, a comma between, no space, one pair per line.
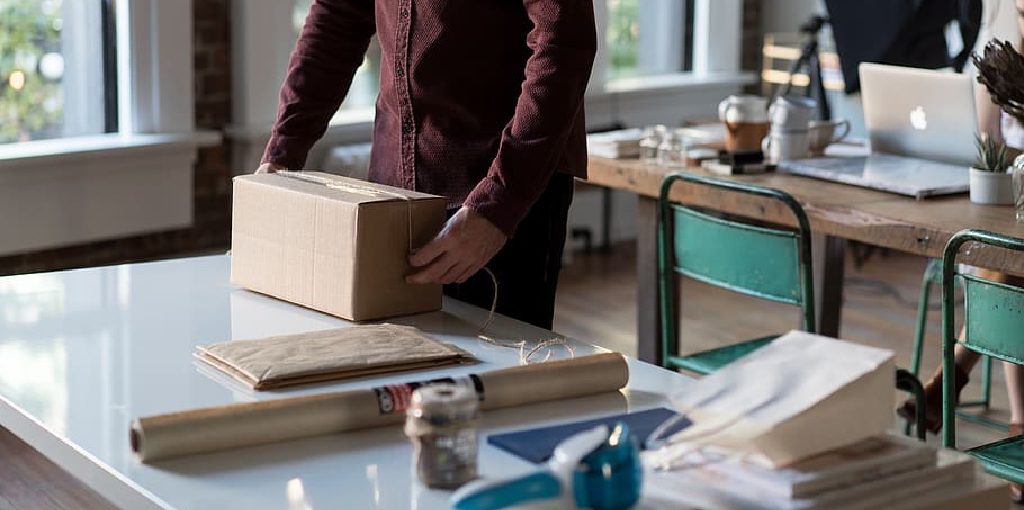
(597,469)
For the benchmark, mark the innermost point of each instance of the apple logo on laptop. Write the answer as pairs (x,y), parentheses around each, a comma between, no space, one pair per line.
(918,119)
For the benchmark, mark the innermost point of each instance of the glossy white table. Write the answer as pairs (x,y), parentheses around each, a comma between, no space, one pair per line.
(83,352)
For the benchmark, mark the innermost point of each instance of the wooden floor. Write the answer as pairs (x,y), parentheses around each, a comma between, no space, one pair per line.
(597,303)
(28,481)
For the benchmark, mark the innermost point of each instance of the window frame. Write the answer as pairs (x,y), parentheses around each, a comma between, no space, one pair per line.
(134,181)
(261,48)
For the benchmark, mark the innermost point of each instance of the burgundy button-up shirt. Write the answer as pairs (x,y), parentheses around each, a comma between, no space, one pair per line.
(480,101)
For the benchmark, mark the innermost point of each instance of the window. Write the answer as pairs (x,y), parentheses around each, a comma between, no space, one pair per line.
(362,95)
(54,60)
(649,37)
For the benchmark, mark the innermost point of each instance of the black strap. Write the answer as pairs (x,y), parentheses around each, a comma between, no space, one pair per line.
(969,18)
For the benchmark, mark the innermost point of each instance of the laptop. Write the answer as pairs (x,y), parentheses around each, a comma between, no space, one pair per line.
(921,124)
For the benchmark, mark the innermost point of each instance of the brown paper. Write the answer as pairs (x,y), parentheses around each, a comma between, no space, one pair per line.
(237,425)
(328,355)
(331,243)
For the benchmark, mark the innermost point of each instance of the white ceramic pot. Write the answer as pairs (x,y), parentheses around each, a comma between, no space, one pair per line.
(991,187)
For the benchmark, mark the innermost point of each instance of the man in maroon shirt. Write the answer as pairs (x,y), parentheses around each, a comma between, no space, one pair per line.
(481,101)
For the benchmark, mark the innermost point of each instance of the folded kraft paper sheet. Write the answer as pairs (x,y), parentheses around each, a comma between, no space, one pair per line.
(329,355)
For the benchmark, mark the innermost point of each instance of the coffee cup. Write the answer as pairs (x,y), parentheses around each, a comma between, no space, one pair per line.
(791,113)
(778,147)
(822,133)
(746,122)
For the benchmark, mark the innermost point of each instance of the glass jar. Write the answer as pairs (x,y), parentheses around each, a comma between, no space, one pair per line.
(650,140)
(442,423)
(672,151)
(1018,187)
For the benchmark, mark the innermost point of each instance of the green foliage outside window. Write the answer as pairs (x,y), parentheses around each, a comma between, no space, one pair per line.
(623,27)
(31,102)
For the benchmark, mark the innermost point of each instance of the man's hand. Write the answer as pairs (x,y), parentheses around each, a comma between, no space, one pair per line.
(464,245)
(268,168)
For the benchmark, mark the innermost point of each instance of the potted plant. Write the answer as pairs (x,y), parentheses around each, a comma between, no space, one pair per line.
(990,183)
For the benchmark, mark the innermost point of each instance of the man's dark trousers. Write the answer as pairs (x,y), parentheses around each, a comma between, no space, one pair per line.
(527,266)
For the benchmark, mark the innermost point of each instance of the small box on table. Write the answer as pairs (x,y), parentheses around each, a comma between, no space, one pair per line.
(332,243)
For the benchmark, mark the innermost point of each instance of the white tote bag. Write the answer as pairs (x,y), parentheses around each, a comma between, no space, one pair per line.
(798,396)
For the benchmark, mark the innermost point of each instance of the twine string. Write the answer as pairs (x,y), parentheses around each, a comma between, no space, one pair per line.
(525,355)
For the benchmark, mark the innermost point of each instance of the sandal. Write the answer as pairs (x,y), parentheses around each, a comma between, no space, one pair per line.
(933,400)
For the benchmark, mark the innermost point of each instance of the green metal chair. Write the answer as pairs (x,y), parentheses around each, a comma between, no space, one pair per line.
(933,276)
(994,326)
(765,262)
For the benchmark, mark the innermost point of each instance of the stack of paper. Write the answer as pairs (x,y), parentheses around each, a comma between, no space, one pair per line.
(621,144)
(886,472)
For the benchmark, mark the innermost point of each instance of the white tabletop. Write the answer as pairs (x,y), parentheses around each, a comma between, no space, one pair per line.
(83,352)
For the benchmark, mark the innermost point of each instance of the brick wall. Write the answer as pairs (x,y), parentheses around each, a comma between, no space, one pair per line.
(753,35)
(212,173)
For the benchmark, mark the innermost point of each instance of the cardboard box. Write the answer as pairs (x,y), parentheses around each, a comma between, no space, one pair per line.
(333,244)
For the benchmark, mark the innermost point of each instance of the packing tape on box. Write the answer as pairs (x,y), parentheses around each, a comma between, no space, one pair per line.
(182,433)
(352,188)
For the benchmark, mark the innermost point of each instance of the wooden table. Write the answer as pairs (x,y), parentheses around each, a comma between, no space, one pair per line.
(836,211)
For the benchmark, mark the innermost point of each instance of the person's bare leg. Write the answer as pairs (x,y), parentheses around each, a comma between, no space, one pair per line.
(1015,394)
(964,360)
(1015,391)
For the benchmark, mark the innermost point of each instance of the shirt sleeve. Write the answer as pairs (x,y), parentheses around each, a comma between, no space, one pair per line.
(331,46)
(563,42)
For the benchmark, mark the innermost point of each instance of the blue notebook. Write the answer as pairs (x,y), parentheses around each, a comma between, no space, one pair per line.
(537,445)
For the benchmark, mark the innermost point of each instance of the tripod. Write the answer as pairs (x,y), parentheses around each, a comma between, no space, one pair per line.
(809,58)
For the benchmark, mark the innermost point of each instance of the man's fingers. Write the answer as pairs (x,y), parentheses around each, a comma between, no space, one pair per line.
(434,272)
(453,274)
(428,252)
(468,273)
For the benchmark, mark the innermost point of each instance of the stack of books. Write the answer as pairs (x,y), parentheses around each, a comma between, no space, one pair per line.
(889,472)
(621,144)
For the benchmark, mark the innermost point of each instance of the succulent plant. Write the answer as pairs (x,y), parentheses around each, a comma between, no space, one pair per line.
(993,156)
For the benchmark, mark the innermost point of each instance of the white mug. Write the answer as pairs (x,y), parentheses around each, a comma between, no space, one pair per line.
(778,147)
(791,113)
(743,108)
(826,132)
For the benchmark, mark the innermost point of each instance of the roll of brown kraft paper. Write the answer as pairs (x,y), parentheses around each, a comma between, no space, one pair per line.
(237,425)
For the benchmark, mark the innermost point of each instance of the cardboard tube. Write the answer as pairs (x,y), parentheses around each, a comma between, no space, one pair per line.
(237,425)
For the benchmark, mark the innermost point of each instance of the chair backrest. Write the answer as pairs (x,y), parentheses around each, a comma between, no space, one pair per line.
(765,262)
(993,315)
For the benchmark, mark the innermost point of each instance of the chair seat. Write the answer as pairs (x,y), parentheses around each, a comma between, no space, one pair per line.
(1004,459)
(706,362)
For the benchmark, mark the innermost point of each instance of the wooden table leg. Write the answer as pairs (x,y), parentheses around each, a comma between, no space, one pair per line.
(648,312)
(829,264)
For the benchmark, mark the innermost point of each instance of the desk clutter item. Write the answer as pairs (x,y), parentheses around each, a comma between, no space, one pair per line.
(882,472)
(597,468)
(331,243)
(737,163)
(618,144)
(536,445)
(269,421)
(441,422)
(798,396)
(745,120)
(330,355)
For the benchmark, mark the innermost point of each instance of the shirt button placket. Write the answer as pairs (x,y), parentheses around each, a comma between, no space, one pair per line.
(406,114)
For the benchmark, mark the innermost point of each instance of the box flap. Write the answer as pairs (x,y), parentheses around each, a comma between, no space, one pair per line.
(336,187)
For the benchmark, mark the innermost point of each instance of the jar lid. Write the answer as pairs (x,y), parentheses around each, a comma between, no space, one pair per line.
(443,402)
